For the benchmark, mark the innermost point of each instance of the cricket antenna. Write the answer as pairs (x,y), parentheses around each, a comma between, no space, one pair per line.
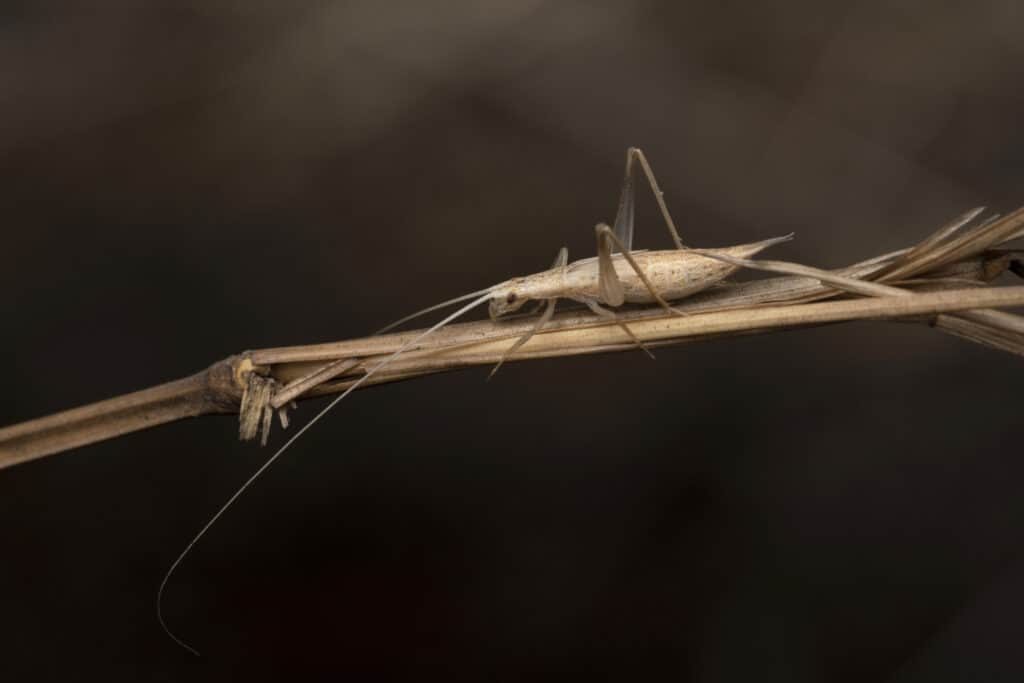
(430,309)
(270,461)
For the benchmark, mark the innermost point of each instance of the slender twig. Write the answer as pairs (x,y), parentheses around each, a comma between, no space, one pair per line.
(943,282)
(214,390)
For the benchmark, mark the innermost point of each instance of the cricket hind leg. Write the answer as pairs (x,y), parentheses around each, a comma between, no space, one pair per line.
(610,315)
(623,226)
(609,285)
(549,309)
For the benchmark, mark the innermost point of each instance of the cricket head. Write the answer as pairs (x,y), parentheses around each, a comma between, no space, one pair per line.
(506,298)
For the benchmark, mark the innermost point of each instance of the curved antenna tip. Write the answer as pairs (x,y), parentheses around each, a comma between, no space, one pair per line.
(284,447)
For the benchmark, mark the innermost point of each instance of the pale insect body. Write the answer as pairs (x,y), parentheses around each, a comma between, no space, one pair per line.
(615,276)
(674,274)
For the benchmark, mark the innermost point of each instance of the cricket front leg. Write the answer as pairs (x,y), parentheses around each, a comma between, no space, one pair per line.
(549,308)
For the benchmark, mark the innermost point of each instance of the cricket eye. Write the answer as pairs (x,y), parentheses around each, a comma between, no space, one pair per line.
(511,298)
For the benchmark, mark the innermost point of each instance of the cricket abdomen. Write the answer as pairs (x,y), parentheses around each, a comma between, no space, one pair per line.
(676,274)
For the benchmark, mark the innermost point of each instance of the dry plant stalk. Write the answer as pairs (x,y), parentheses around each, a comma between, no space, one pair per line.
(944,281)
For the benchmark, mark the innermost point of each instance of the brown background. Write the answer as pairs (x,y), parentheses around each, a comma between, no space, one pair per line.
(180,181)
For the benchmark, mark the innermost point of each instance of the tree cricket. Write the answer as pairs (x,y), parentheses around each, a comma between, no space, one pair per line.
(616,275)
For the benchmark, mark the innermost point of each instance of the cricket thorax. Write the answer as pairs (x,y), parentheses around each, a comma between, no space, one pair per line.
(511,295)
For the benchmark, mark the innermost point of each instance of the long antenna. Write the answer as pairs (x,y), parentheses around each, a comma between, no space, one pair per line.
(270,461)
(430,309)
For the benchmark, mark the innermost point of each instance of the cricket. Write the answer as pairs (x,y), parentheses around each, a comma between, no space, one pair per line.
(507,340)
(617,275)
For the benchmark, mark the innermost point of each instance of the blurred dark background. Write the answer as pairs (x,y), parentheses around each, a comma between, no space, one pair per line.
(180,181)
